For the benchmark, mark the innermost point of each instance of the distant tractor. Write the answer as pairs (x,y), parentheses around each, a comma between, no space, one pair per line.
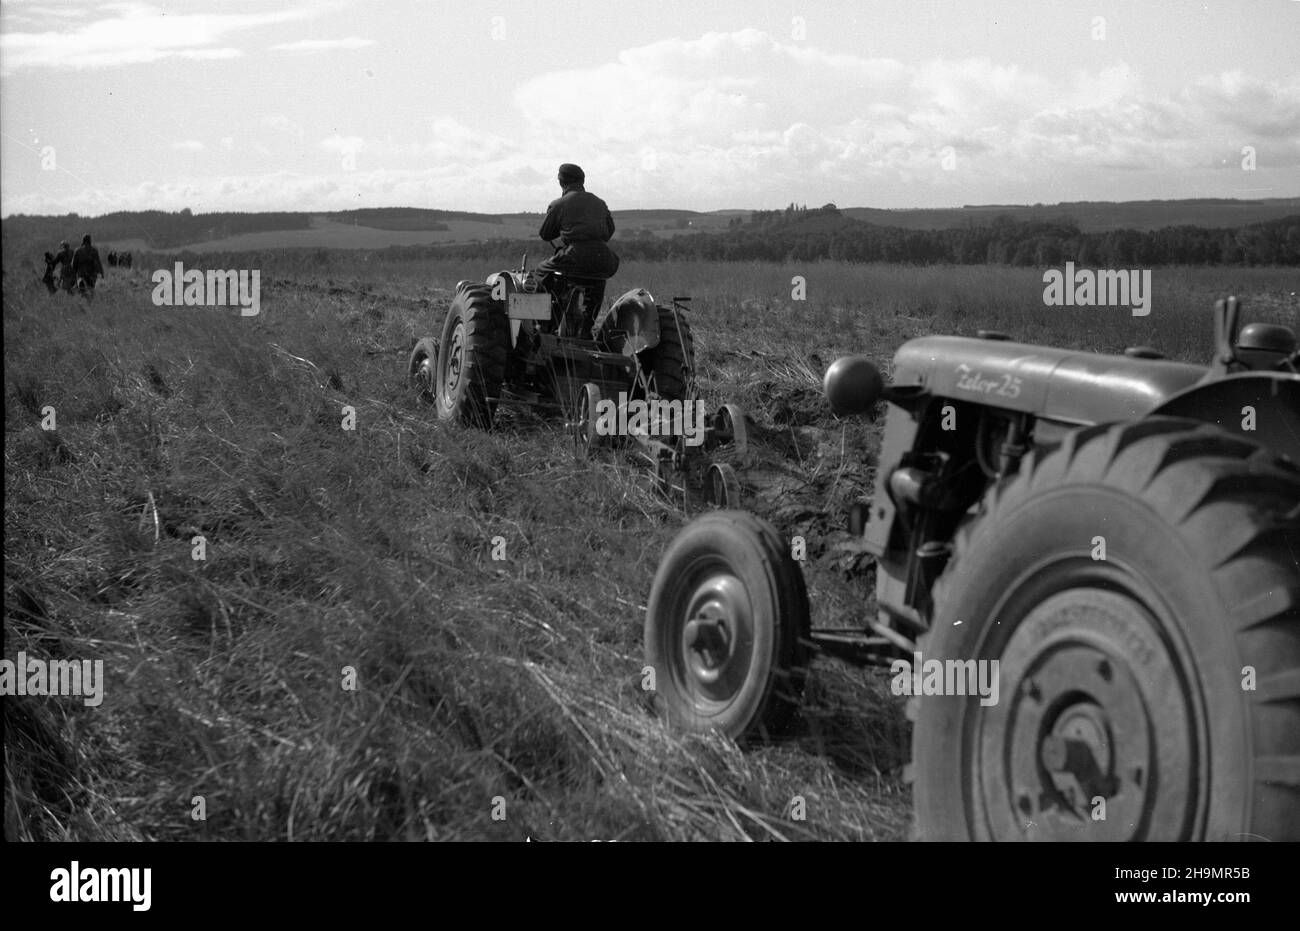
(1120,533)
(516,339)
(547,344)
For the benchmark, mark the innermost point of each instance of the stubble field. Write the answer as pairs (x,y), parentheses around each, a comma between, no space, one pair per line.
(495,699)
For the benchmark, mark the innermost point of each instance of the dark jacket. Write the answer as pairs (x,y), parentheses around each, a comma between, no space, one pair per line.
(64,258)
(86,264)
(577,216)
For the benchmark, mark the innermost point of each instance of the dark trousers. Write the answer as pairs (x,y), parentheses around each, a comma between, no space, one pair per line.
(581,260)
(584,259)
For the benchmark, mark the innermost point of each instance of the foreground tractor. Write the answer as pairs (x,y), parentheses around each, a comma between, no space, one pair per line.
(544,342)
(1111,544)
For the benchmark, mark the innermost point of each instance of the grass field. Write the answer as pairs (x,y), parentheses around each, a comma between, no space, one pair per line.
(483,685)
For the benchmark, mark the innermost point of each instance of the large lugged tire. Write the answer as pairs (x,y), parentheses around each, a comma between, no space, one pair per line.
(672,361)
(472,357)
(1139,587)
(726,628)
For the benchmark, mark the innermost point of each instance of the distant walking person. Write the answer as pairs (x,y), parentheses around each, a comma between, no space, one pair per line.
(582,221)
(87,267)
(66,276)
(48,278)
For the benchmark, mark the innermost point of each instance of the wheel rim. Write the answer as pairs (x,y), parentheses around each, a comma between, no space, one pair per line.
(1092,709)
(711,640)
(724,486)
(585,432)
(455,365)
(424,376)
(732,423)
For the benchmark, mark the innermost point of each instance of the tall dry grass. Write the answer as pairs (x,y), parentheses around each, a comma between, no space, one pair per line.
(481,681)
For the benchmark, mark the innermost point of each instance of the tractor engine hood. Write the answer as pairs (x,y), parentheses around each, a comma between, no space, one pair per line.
(1060,384)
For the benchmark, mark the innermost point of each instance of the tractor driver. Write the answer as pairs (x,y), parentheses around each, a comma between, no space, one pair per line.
(582,221)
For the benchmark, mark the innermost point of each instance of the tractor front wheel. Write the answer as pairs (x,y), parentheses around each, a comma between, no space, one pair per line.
(726,628)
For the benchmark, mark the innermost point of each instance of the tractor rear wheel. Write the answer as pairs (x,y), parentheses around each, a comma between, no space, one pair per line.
(726,628)
(672,360)
(472,357)
(1138,586)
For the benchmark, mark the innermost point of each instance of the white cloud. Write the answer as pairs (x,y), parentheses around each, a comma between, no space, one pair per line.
(322,45)
(189,145)
(726,114)
(134,33)
(739,119)
(343,144)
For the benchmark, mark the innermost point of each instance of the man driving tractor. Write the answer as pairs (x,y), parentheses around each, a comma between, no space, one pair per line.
(582,221)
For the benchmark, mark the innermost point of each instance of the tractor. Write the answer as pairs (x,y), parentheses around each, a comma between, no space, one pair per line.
(537,340)
(1112,541)
(545,341)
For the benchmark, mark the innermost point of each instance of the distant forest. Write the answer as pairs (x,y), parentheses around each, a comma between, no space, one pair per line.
(801,234)
(163,230)
(796,233)
(159,228)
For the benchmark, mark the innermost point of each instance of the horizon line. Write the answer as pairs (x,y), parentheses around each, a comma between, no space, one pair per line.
(512,213)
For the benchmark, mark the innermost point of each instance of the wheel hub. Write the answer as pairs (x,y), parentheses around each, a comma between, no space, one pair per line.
(424,374)
(1077,753)
(716,636)
(455,361)
(708,636)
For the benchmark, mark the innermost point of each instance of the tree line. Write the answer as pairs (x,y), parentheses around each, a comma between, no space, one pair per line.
(794,234)
(162,229)
(800,234)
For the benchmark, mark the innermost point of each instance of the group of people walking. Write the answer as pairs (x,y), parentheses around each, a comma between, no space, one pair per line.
(77,271)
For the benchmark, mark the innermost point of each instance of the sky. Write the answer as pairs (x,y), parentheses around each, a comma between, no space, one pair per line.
(332,104)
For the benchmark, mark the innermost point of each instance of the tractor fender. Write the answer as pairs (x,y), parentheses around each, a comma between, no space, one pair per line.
(503,284)
(632,322)
(1263,407)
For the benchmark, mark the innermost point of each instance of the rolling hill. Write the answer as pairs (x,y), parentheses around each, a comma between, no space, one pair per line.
(376,228)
